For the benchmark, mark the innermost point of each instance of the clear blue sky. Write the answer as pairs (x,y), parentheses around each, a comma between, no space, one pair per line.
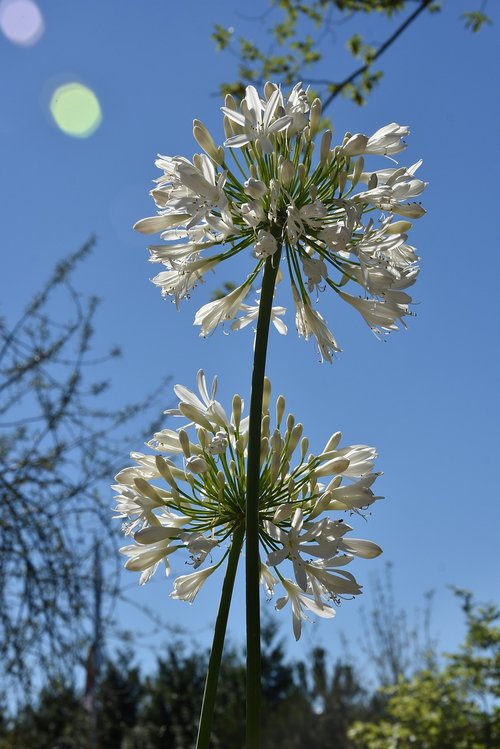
(427,398)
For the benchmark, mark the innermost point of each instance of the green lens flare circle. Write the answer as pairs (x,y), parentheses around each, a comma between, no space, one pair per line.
(76,110)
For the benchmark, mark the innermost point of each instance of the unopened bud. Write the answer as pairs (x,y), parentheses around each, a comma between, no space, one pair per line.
(255,188)
(165,472)
(202,437)
(205,141)
(287,172)
(333,442)
(280,409)
(294,438)
(266,424)
(266,396)
(301,171)
(326,142)
(230,103)
(314,117)
(399,227)
(358,169)
(197,464)
(228,127)
(269,89)
(184,440)
(237,405)
(264,450)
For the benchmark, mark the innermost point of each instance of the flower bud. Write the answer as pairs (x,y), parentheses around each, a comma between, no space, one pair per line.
(255,188)
(326,142)
(196,464)
(202,437)
(165,472)
(237,411)
(280,409)
(287,172)
(399,227)
(295,436)
(410,210)
(269,89)
(264,449)
(205,141)
(358,169)
(184,440)
(333,442)
(266,396)
(314,117)
(266,424)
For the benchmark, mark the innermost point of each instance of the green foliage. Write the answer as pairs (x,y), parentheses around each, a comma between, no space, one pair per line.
(475,20)
(302,35)
(453,707)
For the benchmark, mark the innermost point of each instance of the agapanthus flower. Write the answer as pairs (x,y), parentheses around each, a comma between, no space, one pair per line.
(265,189)
(187,498)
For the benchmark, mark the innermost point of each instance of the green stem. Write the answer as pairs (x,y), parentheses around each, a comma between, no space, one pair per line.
(252,504)
(207,708)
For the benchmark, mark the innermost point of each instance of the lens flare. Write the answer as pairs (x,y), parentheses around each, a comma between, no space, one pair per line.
(21,21)
(76,110)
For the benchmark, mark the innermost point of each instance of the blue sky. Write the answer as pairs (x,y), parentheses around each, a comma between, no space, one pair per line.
(427,398)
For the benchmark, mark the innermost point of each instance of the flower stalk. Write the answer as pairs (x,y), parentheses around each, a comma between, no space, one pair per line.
(252,503)
(210,692)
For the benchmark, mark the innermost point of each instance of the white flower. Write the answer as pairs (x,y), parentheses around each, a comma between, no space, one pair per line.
(309,322)
(251,313)
(299,601)
(315,271)
(297,106)
(226,308)
(380,316)
(308,210)
(266,244)
(257,121)
(187,587)
(204,501)
(387,140)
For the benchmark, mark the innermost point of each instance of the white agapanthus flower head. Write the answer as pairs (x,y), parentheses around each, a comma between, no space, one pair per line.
(187,497)
(266,193)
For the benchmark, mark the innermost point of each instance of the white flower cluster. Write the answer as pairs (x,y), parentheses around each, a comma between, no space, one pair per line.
(189,496)
(336,222)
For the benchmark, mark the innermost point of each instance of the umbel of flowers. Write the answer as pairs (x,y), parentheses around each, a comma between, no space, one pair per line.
(320,218)
(268,191)
(188,499)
